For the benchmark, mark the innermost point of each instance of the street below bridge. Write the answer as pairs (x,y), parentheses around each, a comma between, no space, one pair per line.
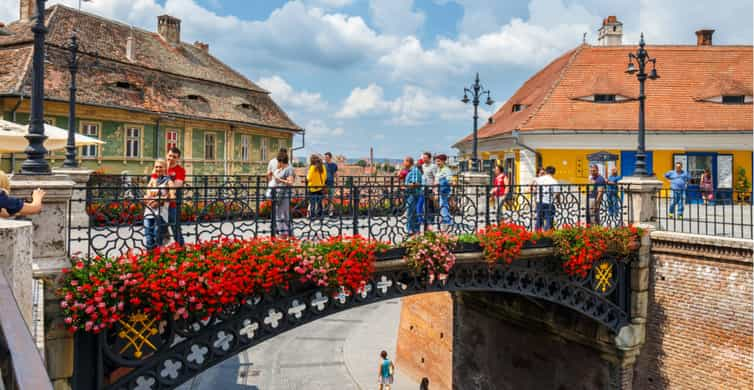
(337,352)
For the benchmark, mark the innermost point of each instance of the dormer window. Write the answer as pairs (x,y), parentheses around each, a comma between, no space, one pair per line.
(249,108)
(196,98)
(123,84)
(602,98)
(245,106)
(518,107)
(734,99)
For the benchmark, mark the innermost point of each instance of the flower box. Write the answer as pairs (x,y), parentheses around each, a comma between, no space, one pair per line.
(391,254)
(467,247)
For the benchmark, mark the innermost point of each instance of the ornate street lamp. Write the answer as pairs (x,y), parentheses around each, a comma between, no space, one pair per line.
(35,163)
(73,67)
(641,58)
(476,91)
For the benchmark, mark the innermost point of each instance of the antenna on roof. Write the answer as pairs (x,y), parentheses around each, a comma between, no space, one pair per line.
(583,39)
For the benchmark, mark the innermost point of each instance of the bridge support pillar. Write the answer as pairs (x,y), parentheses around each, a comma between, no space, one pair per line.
(50,237)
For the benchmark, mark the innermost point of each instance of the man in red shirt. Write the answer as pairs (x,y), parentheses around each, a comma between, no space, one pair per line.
(178,176)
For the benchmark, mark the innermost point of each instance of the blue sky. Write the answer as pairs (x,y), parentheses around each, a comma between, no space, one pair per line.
(390,73)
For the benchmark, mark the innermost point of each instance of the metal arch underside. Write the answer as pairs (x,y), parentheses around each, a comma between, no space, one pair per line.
(196,345)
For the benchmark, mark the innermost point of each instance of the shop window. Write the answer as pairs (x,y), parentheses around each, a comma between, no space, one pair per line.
(696,166)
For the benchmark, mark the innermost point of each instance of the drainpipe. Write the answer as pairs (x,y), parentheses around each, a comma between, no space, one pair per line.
(13,118)
(156,147)
(516,141)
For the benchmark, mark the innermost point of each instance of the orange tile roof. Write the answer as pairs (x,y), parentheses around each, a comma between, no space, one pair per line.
(688,74)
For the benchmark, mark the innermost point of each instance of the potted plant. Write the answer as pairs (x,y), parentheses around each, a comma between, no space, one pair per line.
(467,242)
(743,186)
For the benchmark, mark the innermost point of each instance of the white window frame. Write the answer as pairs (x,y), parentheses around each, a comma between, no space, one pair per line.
(132,147)
(213,155)
(89,151)
(171,142)
(263,149)
(245,147)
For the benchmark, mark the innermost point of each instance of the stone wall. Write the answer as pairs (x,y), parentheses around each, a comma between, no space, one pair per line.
(425,334)
(16,262)
(699,323)
(504,341)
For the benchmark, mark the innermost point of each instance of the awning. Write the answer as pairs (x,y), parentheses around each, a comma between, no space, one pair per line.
(13,138)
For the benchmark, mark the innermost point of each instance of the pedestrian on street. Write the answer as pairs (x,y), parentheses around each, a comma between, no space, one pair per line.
(386,372)
(315,180)
(678,181)
(707,187)
(424,385)
(413,189)
(444,175)
(596,193)
(613,195)
(332,171)
(545,196)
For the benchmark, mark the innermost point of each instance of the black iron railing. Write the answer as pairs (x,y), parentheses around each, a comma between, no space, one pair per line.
(722,213)
(115,217)
(21,366)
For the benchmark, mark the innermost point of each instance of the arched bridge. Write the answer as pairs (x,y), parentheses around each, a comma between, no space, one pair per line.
(144,354)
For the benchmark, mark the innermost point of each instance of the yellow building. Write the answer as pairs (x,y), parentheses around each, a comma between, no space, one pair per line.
(146,92)
(699,113)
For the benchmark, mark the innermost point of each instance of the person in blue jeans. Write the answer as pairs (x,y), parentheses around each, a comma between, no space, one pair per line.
(444,174)
(678,181)
(613,197)
(156,201)
(413,184)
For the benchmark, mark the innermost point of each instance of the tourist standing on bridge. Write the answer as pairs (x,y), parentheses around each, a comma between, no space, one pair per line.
(499,187)
(413,189)
(678,180)
(12,206)
(283,178)
(613,196)
(156,201)
(271,167)
(177,177)
(386,373)
(332,170)
(546,191)
(429,172)
(315,179)
(444,175)
(596,193)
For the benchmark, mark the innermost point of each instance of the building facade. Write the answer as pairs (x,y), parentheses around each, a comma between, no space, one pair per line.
(582,109)
(142,92)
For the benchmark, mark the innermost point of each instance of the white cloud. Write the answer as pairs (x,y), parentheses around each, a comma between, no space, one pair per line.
(318,129)
(330,3)
(413,107)
(396,16)
(552,28)
(284,94)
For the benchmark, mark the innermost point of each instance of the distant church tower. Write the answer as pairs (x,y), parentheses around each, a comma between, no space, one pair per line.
(611,32)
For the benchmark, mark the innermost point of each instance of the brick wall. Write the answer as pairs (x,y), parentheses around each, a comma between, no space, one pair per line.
(425,339)
(699,324)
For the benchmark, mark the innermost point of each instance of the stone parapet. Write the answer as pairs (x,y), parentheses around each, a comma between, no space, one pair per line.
(641,193)
(16,263)
(80,176)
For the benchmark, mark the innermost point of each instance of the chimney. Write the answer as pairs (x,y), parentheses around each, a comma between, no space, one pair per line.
(202,46)
(169,27)
(704,37)
(611,32)
(27,10)
(130,49)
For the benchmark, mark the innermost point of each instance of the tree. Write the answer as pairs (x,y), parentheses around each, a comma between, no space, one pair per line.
(361,163)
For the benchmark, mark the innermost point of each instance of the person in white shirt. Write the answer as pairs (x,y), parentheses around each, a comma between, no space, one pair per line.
(272,166)
(429,172)
(545,196)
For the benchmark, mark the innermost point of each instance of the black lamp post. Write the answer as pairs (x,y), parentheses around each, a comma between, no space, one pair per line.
(73,67)
(641,57)
(35,163)
(476,91)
